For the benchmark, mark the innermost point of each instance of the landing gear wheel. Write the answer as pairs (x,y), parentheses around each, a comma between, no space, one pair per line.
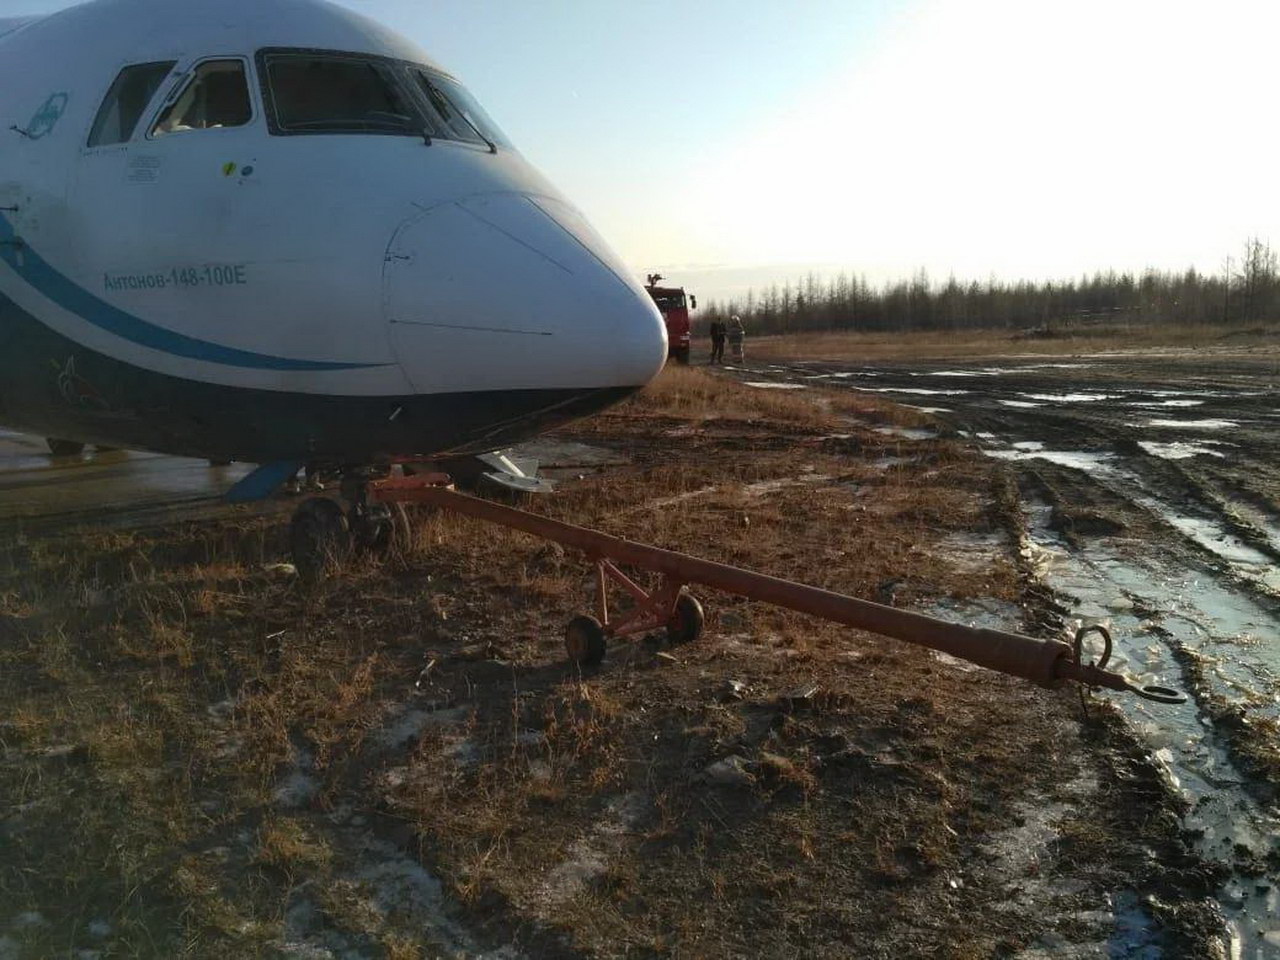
(584,641)
(685,625)
(387,529)
(320,538)
(64,448)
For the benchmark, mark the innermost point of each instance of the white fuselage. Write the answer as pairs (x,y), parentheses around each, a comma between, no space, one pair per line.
(248,259)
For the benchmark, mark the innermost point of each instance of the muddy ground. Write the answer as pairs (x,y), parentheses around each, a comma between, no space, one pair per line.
(1150,481)
(201,756)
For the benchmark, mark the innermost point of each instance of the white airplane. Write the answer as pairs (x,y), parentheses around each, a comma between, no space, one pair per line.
(277,232)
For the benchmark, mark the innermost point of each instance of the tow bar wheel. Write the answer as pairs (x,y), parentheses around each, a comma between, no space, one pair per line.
(584,641)
(685,625)
(320,538)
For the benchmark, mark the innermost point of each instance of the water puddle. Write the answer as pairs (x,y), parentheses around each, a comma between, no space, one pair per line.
(1212,536)
(929,409)
(1150,609)
(1167,403)
(1079,459)
(918,391)
(1021,404)
(999,371)
(767,385)
(1070,397)
(1178,450)
(1265,525)
(1206,424)
(908,433)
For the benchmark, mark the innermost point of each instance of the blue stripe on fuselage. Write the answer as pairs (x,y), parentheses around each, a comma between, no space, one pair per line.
(36,271)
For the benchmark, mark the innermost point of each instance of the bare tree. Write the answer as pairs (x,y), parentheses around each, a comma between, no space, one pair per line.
(1257,280)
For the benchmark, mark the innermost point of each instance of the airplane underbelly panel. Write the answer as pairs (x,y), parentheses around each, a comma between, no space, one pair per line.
(53,386)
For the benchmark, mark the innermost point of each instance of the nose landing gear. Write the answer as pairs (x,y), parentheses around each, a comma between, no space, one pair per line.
(323,535)
(319,538)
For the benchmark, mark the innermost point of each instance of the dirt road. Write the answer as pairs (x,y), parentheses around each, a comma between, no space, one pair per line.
(1150,487)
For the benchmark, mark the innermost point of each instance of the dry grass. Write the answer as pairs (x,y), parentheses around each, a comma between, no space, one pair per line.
(200,758)
(697,396)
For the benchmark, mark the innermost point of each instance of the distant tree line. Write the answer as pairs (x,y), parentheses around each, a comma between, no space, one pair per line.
(1246,292)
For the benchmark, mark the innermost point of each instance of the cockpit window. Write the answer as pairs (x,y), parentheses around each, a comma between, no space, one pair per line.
(126,101)
(322,91)
(336,94)
(456,114)
(216,96)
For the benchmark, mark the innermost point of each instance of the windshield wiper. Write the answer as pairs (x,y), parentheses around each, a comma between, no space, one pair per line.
(493,147)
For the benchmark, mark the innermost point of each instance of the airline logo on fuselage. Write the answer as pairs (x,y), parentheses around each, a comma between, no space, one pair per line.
(47,117)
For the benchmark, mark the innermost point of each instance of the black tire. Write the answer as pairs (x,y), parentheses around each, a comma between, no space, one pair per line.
(64,448)
(584,641)
(320,538)
(389,529)
(685,625)
(682,356)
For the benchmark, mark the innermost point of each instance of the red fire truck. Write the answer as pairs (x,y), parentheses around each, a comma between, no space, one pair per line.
(674,306)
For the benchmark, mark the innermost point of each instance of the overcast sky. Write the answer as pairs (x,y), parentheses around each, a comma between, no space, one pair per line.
(1018,137)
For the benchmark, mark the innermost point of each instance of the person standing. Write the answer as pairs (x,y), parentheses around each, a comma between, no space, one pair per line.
(717,341)
(737,339)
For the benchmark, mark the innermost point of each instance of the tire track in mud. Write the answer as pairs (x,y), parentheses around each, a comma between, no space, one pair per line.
(1164,542)
(1208,750)
(1147,497)
(1252,741)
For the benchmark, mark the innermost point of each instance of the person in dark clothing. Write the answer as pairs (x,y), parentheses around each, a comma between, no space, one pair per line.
(718,333)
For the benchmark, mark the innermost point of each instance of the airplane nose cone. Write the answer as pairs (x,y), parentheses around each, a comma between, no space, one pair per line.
(512,292)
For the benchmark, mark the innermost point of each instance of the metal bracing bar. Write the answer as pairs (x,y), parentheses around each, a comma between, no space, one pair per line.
(626,582)
(652,610)
(602,591)
(1046,662)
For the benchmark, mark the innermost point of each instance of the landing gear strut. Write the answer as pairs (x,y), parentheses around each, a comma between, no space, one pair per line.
(375,526)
